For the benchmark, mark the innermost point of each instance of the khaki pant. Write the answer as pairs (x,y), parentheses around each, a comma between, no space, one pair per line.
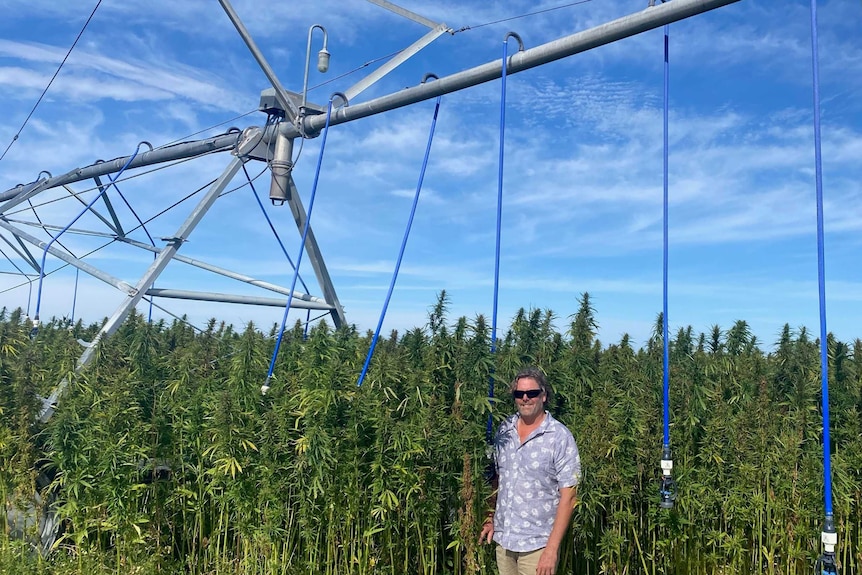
(515,563)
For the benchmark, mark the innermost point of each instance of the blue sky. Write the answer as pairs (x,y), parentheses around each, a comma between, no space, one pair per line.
(583,172)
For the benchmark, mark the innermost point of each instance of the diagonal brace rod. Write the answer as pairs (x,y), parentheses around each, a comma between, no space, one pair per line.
(396,61)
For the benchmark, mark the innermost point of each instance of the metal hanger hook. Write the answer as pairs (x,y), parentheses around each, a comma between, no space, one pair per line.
(341,95)
(516,37)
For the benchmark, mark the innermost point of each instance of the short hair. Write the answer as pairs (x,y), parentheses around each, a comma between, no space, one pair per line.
(536,374)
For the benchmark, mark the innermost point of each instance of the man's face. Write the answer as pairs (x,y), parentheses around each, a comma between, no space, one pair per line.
(529,407)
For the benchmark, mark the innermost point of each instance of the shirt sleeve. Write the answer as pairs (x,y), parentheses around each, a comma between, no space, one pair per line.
(568,462)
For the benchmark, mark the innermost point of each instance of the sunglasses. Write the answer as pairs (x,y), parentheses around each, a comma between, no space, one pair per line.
(531,393)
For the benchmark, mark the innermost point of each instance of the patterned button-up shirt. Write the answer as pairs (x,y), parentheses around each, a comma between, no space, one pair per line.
(531,475)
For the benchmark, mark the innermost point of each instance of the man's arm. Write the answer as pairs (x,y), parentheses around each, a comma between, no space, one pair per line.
(487,534)
(551,555)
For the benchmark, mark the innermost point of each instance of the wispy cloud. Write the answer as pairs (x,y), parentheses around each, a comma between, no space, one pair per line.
(92,76)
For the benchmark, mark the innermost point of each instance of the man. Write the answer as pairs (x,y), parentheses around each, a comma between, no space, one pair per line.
(538,469)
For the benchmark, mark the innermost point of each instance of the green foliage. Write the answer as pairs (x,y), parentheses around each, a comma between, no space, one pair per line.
(165,458)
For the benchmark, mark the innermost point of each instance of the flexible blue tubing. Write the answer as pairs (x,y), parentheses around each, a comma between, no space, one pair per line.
(54,239)
(403,245)
(490,424)
(664,322)
(499,205)
(821,268)
(301,246)
(272,227)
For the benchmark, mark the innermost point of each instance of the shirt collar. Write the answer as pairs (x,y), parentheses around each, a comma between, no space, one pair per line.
(545,426)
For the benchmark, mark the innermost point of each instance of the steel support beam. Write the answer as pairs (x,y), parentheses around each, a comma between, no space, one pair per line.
(624,27)
(174,244)
(29,256)
(21,194)
(233,298)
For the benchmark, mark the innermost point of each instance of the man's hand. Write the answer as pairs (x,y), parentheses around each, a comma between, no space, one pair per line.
(487,535)
(548,562)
